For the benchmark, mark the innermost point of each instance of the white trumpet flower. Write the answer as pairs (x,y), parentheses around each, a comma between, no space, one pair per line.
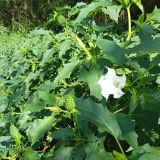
(112,84)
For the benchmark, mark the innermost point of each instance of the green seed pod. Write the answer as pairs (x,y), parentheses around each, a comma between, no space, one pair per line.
(70,104)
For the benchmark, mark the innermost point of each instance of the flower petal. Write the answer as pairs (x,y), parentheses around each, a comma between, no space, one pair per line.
(111,72)
(118,93)
(122,81)
(112,84)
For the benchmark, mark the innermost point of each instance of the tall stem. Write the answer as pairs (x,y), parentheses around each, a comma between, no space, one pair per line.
(129,24)
(121,148)
(88,53)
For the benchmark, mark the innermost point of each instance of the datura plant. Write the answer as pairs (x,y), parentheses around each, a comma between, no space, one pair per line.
(82,90)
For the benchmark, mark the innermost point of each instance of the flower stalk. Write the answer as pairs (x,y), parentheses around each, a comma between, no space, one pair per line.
(120,147)
(88,53)
(129,24)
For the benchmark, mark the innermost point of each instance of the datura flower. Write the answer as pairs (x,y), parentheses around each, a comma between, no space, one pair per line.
(112,84)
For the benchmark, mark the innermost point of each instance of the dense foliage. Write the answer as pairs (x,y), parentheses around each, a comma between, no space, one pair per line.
(51,105)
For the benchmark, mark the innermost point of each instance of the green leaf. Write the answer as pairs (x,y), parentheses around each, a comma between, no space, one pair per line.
(23,120)
(47,86)
(4,138)
(63,133)
(48,98)
(15,134)
(63,153)
(30,154)
(92,76)
(145,31)
(94,152)
(64,46)
(78,152)
(155,61)
(61,20)
(46,56)
(133,101)
(38,128)
(66,71)
(146,46)
(127,129)
(84,12)
(154,16)
(111,51)
(3,103)
(34,105)
(113,12)
(151,100)
(138,4)
(98,115)
(146,152)
(125,3)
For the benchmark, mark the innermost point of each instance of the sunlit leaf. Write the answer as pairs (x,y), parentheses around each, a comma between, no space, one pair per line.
(30,154)
(15,134)
(38,128)
(111,51)
(92,76)
(99,115)
(146,152)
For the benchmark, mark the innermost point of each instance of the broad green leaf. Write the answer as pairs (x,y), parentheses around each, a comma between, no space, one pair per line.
(4,138)
(15,134)
(38,128)
(113,12)
(48,98)
(34,105)
(145,31)
(94,152)
(3,103)
(154,16)
(63,133)
(66,71)
(84,12)
(133,101)
(61,20)
(39,32)
(92,76)
(83,125)
(127,129)
(146,152)
(23,120)
(100,27)
(64,46)
(151,100)
(78,152)
(111,51)
(63,153)
(46,56)
(138,4)
(155,61)
(30,154)
(47,86)
(98,115)
(125,3)
(146,46)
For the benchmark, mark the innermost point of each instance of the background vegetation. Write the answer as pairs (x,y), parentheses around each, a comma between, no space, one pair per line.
(52,54)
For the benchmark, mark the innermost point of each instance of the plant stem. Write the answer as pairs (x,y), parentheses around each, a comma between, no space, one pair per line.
(129,24)
(120,147)
(88,53)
